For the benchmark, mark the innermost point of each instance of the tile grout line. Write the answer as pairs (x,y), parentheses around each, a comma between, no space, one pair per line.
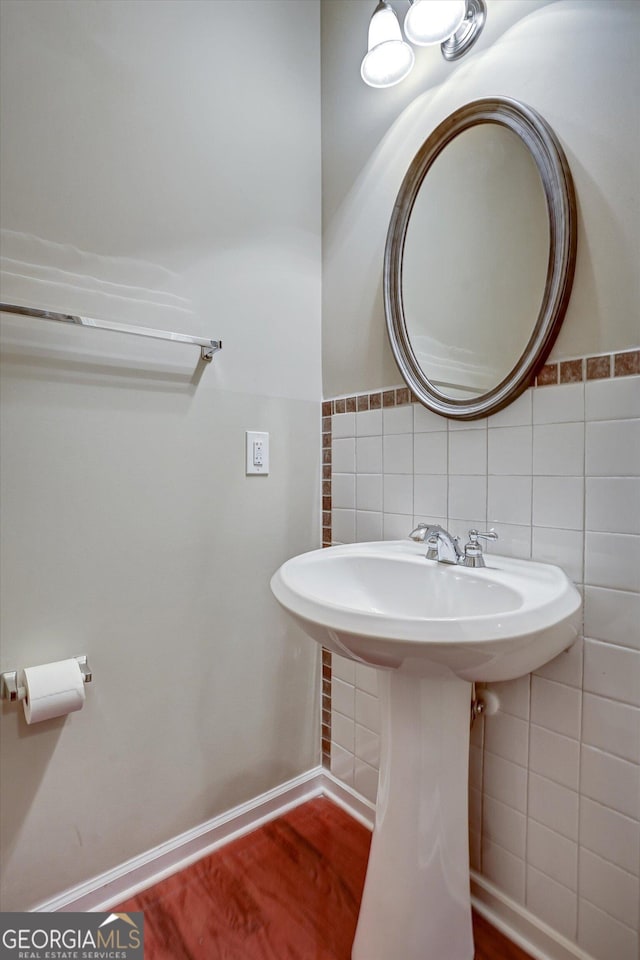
(529,726)
(584,574)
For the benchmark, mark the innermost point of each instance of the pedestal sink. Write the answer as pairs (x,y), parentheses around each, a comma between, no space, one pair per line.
(431,629)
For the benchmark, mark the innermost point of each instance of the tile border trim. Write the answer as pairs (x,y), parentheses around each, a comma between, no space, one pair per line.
(601,367)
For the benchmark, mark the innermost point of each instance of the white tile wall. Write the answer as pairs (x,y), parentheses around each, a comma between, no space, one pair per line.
(613,504)
(559,404)
(369,491)
(397,453)
(430,496)
(567,668)
(509,500)
(368,423)
(613,727)
(467,496)
(610,888)
(344,490)
(558,502)
(554,756)
(368,455)
(613,448)
(430,452)
(503,825)
(555,774)
(397,419)
(504,869)
(368,526)
(355,725)
(612,671)
(505,781)
(508,737)
(610,780)
(603,937)
(397,494)
(563,547)
(552,854)
(612,615)
(609,834)
(558,449)
(344,455)
(553,903)
(553,806)
(468,452)
(514,696)
(556,706)
(510,450)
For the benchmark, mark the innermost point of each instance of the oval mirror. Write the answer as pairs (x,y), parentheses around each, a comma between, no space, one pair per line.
(480,257)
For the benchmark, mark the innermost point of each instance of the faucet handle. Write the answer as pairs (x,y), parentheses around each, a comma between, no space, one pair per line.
(490,535)
(473,556)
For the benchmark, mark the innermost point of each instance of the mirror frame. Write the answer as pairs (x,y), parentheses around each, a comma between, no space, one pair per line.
(559,192)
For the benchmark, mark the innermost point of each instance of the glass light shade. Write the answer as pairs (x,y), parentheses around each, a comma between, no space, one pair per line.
(432,21)
(389,59)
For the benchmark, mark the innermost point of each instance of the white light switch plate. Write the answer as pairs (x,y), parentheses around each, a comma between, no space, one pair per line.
(257,452)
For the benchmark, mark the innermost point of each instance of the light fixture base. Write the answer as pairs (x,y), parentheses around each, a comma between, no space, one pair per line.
(467,33)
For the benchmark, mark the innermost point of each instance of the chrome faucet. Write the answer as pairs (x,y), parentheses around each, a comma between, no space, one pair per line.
(441,546)
(445,548)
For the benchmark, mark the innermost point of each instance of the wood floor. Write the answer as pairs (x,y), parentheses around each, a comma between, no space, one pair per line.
(288,891)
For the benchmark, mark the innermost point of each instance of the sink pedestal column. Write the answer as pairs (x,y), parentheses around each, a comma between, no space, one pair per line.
(416,902)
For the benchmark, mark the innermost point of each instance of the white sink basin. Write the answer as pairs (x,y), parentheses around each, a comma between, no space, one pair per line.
(432,628)
(384,604)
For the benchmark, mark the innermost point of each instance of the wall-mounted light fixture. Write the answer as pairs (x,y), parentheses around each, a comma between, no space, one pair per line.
(454,24)
(433,22)
(389,58)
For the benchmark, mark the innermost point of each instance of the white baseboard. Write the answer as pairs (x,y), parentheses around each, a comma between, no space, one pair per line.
(128,878)
(346,797)
(520,925)
(131,877)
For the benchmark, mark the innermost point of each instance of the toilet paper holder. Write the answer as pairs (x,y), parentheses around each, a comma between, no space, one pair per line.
(12,691)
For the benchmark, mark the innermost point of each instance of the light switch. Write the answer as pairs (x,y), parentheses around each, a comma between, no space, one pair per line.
(257,452)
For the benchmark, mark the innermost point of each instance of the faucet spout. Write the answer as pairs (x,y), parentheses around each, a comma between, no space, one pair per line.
(442,546)
(421,532)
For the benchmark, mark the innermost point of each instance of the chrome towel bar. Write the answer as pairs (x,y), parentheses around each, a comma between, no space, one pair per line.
(207,347)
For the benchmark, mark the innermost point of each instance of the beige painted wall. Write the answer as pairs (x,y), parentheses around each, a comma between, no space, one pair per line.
(158,167)
(575,61)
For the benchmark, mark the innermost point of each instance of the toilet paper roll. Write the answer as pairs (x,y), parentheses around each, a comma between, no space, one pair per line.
(52,690)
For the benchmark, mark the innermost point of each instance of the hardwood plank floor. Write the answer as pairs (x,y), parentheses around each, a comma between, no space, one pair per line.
(288,891)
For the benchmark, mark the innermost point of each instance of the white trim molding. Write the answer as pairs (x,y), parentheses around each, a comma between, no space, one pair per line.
(131,877)
(520,925)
